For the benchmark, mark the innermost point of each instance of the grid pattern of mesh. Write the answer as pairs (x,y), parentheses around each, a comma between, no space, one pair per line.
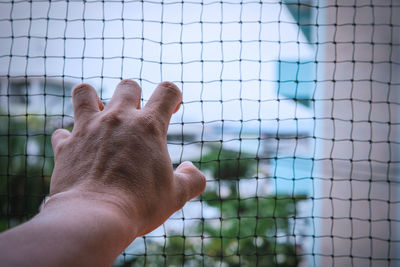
(291,108)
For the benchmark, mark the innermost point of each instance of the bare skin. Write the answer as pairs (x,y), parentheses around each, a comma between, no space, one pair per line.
(113,181)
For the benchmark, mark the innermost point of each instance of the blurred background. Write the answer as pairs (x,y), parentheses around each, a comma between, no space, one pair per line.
(291,108)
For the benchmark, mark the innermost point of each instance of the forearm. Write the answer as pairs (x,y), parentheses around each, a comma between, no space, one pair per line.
(68,233)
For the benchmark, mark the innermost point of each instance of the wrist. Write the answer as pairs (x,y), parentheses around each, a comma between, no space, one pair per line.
(106,210)
(78,229)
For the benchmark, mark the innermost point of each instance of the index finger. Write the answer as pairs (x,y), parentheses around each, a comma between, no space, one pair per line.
(86,102)
(165,100)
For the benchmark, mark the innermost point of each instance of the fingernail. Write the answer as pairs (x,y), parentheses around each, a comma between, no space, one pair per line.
(189,163)
(185,164)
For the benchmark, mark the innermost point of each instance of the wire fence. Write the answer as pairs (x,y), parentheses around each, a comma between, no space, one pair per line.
(291,108)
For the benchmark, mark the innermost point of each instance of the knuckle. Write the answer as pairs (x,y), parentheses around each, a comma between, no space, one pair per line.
(180,203)
(150,124)
(202,181)
(58,148)
(111,118)
(181,199)
(57,145)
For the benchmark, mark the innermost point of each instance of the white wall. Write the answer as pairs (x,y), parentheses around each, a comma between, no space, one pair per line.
(359,155)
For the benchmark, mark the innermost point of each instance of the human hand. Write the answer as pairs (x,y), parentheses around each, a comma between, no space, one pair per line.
(116,157)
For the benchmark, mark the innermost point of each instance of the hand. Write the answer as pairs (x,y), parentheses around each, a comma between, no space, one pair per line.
(116,157)
(112,181)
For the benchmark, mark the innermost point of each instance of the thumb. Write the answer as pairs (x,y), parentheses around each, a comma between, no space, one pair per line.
(57,137)
(189,182)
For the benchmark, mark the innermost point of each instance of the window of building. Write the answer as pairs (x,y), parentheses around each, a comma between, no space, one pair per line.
(303,12)
(296,80)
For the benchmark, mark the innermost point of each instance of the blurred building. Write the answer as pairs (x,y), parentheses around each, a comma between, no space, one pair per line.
(357,158)
(46,99)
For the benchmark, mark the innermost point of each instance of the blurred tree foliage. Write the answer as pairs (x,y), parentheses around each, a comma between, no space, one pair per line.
(253,231)
(26,164)
(249,231)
